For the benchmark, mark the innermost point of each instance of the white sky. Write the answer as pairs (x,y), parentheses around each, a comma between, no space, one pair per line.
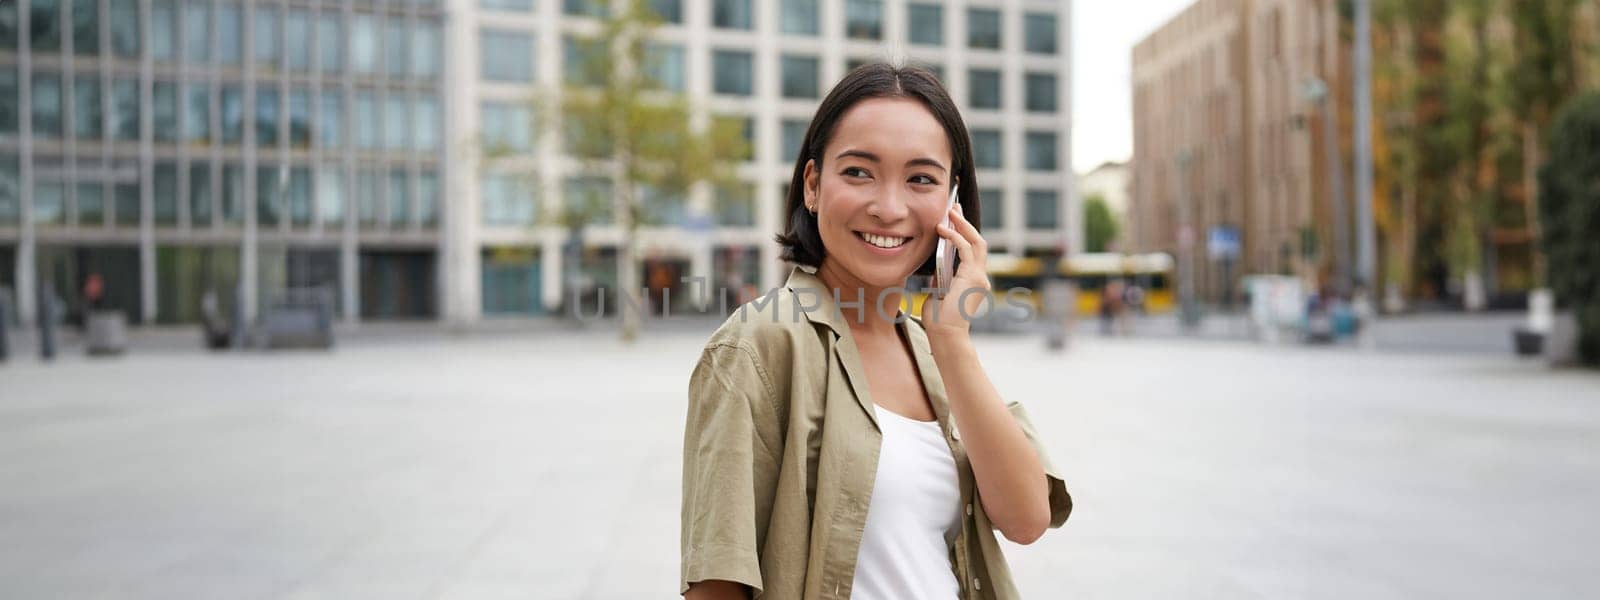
(1103,35)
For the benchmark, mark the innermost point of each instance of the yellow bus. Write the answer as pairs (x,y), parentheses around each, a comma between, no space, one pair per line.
(1152,272)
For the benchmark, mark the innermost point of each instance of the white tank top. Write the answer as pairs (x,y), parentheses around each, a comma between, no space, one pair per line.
(914,515)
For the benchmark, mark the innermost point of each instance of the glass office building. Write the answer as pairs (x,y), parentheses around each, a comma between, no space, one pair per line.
(174,146)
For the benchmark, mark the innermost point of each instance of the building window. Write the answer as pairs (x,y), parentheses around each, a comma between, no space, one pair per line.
(983,88)
(506,4)
(731,14)
(199,194)
(863,19)
(800,75)
(125,201)
(164,109)
(662,208)
(85,27)
(1039,33)
(330,44)
(163,31)
(297,26)
(746,128)
(589,199)
(425,121)
(369,193)
(425,50)
(983,28)
(506,201)
(1041,151)
(735,204)
(428,198)
(91,204)
(1044,209)
(395,40)
(232,107)
(44,25)
(330,125)
(197,117)
(330,196)
(196,32)
(10,102)
(125,109)
(987,150)
(396,123)
(266,115)
(798,17)
(49,202)
(598,9)
(664,65)
(364,44)
(269,195)
(399,199)
(732,72)
(1041,92)
(265,22)
(993,208)
(794,135)
(125,29)
(300,118)
(165,194)
(507,127)
(10,189)
(87,116)
(670,11)
(299,196)
(233,194)
(507,56)
(230,34)
(47,105)
(583,61)
(925,24)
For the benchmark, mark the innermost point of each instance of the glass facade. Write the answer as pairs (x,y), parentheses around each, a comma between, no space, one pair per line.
(47,104)
(88,118)
(987,150)
(1044,209)
(85,27)
(506,127)
(794,134)
(670,11)
(992,201)
(665,66)
(507,201)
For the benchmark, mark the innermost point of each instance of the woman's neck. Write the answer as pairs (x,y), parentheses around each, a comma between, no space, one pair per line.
(859,301)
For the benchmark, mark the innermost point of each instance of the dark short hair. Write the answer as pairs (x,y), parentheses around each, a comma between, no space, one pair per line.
(800,240)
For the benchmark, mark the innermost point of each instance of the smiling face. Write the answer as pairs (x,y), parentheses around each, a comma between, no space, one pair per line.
(881,191)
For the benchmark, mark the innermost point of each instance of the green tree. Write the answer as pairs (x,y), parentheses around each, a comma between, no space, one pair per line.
(1100,225)
(1570,216)
(619,122)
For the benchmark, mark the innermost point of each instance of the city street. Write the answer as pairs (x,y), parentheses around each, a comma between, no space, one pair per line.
(545,464)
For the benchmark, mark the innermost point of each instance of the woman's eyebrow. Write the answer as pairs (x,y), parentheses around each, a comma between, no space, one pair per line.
(863,154)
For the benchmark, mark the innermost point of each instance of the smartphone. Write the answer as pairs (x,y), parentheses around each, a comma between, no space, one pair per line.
(944,256)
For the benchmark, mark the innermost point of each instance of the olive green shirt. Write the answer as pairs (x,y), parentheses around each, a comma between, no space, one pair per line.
(781,451)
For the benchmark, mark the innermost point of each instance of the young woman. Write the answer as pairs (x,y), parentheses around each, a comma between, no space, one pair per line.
(836,447)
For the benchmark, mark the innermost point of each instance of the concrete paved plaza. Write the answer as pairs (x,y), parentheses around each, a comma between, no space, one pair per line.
(546,465)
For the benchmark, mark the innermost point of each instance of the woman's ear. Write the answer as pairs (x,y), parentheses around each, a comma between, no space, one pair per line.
(813,178)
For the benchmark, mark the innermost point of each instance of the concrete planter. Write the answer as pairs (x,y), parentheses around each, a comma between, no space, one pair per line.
(108,333)
(1561,345)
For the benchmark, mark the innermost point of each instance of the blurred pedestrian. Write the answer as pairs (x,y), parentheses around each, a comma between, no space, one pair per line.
(94,289)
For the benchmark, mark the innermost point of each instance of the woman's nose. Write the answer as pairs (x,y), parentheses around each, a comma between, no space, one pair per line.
(890,206)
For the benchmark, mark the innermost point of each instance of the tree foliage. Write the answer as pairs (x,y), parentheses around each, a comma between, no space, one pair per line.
(1570,216)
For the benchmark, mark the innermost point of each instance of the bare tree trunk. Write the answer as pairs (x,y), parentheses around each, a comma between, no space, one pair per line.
(1530,207)
(628,300)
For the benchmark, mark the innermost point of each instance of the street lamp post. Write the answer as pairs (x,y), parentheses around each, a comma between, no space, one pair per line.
(1316,91)
(1189,311)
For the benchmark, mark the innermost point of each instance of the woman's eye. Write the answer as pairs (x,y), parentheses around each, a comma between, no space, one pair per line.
(923,180)
(855,172)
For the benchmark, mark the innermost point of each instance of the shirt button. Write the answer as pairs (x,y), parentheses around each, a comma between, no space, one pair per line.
(955,434)
(976,585)
(969,509)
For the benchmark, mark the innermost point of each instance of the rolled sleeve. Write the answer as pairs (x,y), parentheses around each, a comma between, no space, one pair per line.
(1060,500)
(727,470)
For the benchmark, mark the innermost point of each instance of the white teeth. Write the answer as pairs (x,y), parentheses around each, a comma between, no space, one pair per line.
(883,241)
